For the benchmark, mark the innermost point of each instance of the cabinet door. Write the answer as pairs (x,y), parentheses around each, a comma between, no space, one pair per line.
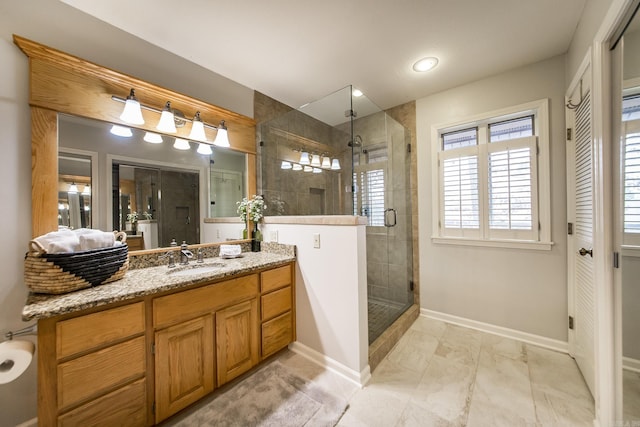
(236,340)
(184,365)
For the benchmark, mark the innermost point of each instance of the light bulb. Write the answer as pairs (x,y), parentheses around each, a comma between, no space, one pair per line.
(122,131)
(181,144)
(132,113)
(153,138)
(204,149)
(167,122)
(222,137)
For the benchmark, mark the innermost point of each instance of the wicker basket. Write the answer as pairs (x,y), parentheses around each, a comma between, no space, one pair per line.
(67,272)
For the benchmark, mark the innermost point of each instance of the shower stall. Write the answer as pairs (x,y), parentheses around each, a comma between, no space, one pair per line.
(342,155)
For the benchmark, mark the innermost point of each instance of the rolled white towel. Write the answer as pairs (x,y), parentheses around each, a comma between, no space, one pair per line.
(63,244)
(230,250)
(96,239)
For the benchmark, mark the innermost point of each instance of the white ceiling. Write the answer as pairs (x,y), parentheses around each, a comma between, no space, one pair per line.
(298,51)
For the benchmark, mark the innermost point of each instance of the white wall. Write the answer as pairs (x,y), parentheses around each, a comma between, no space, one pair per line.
(57,25)
(524,290)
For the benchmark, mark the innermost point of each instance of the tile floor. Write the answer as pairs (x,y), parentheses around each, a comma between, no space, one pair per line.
(445,375)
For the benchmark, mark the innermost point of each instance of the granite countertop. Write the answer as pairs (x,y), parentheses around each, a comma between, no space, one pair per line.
(148,281)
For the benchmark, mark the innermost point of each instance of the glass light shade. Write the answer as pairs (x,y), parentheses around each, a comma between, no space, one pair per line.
(285,165)
(181,144)
(326,162)
(197,129)
(317,170)
(308,169)
(304,158)
(315,160)
(153,138)
(73,188)
(87,208)
(335,164)
(204,149)
(297,167)
(167,121)
(132,113)
(61,207)
(425,64)
(222,137)
(122,131)
(86,191)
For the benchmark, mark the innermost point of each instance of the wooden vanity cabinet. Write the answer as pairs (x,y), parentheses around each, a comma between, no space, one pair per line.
(277,309)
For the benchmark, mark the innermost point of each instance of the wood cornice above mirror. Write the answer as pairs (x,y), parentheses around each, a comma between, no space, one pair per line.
(63,83)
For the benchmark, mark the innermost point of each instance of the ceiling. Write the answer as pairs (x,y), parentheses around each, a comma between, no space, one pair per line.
(300,51)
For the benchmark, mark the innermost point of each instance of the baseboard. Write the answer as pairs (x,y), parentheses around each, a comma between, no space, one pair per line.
(526,337)
(33,422)
(631,364)
(358,378)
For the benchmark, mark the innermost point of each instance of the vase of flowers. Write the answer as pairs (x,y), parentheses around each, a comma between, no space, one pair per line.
(252,210)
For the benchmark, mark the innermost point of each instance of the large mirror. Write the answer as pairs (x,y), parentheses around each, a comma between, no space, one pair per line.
(627,111)
(148,185)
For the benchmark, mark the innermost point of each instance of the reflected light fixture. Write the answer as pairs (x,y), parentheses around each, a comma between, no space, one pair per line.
(326,162)
(222,137)
(357,93)
(181,144)
(197,129)
(425,64)
(304,158)
(315,160)
(122,131)
(317,170)
(335,164)
(86,191)
(204,149)
(132,112)
(167,120)
(308,169)
(153,138)
(73,188)
(285,165)
(297,167)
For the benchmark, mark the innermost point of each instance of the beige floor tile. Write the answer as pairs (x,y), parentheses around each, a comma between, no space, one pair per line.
(416,416)
(445,389)
(460,344)
(553,410)
(432,327)
(414,350)
(505,347)
(373,408)
(631,396)
(395,379)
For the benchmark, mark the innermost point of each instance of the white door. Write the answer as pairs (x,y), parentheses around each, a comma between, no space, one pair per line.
(580,239)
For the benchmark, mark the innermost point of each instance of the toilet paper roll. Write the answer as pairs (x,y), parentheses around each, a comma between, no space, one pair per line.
(15,357)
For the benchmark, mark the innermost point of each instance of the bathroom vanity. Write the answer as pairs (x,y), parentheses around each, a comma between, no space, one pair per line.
(136,351)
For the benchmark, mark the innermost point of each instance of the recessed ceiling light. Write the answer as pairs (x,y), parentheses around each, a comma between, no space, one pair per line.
(425,64)
(357,93)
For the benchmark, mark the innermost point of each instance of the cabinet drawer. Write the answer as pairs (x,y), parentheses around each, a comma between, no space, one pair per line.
(95,330)
(276,334)
(275,303)
(276,278)
(189,304)
(99,372)
(125,406)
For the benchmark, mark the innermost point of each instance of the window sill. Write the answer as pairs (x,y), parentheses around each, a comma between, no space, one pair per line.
(630,251)
(510,244)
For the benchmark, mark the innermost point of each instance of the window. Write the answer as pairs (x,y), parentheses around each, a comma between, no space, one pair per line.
(368,179)
(488,178)
(631,169)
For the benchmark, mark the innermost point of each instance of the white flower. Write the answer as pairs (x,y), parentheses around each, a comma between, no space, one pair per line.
(251,209)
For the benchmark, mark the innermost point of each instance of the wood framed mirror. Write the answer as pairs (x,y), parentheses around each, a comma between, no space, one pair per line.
(63,83)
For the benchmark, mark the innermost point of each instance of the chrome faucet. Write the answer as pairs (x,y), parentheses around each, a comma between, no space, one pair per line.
(172,258)
(185,253)
(200,256)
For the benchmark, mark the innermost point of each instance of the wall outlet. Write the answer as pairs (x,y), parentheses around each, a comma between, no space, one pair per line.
(217,233)
(316,240)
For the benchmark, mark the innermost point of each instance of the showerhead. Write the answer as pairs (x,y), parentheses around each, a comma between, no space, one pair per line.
(356,142)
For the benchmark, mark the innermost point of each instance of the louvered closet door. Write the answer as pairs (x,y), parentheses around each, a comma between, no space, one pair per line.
(582,294)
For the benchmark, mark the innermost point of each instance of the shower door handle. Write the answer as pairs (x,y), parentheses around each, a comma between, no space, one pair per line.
(390,219)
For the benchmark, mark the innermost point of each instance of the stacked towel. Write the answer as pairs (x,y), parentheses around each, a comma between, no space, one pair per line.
(82,239)
(230,250)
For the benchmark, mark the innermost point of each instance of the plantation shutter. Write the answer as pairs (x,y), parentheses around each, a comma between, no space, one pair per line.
(631,217)
(460,213)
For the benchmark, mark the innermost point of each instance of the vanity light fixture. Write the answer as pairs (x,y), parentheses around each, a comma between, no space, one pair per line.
(326,162)
(304,158)
(285,165)
(315,160)
(132,112)
(317,170)
(308,169)
(204,149)
(122,131)
(181,144)
(73,188)
(297,167)
(153,138)
(335,164)
(167,120)
(197,129)
(222,137)
(425,64)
